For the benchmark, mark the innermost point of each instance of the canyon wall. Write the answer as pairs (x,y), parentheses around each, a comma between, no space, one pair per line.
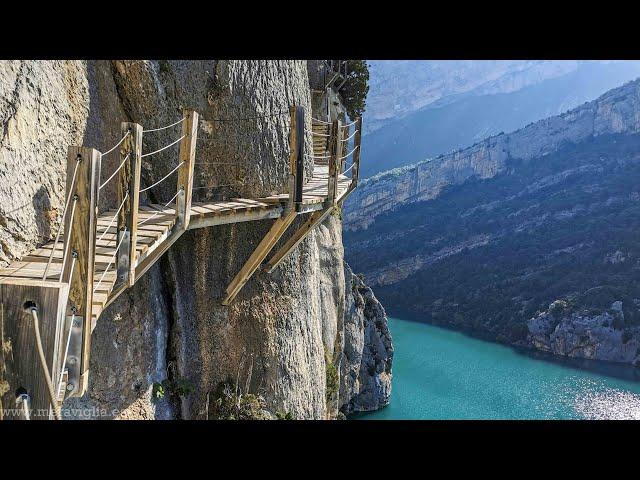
(617,111)
(368,352)
(169,330)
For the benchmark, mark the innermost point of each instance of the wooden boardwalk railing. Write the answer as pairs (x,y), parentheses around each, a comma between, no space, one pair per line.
(67,283)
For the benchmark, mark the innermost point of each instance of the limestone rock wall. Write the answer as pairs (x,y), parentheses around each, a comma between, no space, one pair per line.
(368,351)
(583,335)
(275,337)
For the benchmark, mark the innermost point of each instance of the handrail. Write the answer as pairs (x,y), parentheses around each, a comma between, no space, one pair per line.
(116,145)
(163,128)
(162,179)
(161,149)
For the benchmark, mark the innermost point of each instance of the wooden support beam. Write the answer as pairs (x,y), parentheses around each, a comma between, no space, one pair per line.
(315,219)
(148,261)
(80,243)
(128,184)
(355,171)
(258,255)
(247,216)
(334,152)
(20,368)
(185,173)
(343,133)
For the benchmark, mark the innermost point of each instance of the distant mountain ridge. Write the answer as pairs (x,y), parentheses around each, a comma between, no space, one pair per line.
(506,104)
(399,87)
(617,111)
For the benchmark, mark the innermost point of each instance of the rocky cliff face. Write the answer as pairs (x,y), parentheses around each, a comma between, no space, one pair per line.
(368,351)
(583,335)
(617,111)
(170,328)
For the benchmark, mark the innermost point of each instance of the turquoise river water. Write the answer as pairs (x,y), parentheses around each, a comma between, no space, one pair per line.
(442,374)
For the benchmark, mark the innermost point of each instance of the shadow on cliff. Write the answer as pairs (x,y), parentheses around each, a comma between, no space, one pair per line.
(44,215)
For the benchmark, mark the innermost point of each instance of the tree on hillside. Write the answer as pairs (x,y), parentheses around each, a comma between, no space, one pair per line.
(355,89)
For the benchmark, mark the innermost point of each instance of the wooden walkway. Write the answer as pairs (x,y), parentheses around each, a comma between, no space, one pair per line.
(71,280)
(152,234)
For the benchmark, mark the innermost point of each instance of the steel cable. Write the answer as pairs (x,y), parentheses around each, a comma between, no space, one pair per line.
(116,145)
(163,178)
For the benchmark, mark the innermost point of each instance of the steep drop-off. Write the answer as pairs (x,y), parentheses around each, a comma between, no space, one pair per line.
(278,336)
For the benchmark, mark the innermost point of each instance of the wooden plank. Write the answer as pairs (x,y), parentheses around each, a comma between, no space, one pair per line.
(29,268)
(21,367)
(258,255)
(333,163)
(112,232)
(103,247)
(110,240)
(355,171)
(185,173)
(274,211)
(81,238)
(315,219)
(129,185)
(151,209)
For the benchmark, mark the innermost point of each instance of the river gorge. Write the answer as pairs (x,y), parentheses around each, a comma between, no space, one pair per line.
(444,374)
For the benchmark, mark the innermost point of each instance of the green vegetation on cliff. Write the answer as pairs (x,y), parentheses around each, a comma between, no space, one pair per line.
(354,92)
(488,255)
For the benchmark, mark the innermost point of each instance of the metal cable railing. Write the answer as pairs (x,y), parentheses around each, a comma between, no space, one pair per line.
(116,145)
(160,211)
(352,165)
(163,178)
(67,242)
(350,136)
(350,153)
(43,363)
(64,212)
(163,128)
(113,219)
(113,257)
(163,148)
(114,173)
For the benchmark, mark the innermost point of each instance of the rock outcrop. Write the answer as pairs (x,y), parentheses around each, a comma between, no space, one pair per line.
(170,328)
(617,111)
(368,351)
(582,335)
